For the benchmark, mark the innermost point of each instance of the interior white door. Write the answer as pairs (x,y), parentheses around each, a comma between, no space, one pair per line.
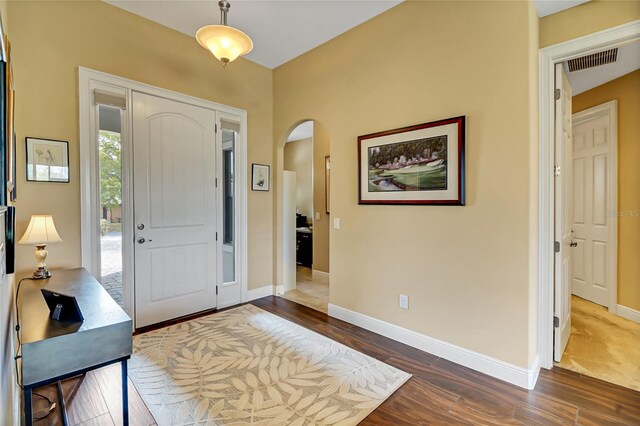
(564,214)
(175,209)
(289,230)
(593,178)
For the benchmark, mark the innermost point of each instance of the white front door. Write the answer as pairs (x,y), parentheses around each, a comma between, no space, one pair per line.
(563,216)
(593,184)
(175,209)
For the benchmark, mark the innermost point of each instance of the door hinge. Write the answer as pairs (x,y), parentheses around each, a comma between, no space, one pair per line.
(216,182)
(216,128)
(556,320)
(556,94)
(216,236)
(556,171)
(216,290)
(556,246)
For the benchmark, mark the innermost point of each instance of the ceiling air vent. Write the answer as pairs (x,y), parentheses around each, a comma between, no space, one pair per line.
(593,60)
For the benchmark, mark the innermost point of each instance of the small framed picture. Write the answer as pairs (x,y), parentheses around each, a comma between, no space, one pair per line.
(47,160)
(259,177)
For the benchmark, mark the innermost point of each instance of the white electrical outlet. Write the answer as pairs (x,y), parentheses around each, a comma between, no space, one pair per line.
(404,301)
(336,223)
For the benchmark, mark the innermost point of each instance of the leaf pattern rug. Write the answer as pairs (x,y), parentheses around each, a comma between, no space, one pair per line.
(247,366)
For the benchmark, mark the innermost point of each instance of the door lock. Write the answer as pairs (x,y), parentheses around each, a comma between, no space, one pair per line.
(141,240)
(140,226)
(573,244)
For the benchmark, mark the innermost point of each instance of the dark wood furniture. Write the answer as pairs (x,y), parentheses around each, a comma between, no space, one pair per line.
(304,248)
(53,351)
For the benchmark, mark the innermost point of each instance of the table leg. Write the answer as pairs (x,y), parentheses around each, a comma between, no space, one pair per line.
(125,394)
(28,414)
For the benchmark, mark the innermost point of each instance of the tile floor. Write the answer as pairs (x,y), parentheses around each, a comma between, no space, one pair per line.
(312,289)
(602,345)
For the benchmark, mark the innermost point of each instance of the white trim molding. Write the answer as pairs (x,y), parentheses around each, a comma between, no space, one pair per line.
(257,293)
(549,56)
(519,376)
(321,273)
(628,313)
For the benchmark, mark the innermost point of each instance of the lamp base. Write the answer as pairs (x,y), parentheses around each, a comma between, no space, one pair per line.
(41,273)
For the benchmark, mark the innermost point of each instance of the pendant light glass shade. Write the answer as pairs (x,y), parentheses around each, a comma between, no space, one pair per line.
(225,42)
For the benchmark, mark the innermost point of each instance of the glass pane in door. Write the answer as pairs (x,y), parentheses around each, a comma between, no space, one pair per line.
(228,207)
(110,164)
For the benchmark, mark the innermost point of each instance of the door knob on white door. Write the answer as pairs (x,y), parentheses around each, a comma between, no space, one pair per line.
(141,240)
(573,244)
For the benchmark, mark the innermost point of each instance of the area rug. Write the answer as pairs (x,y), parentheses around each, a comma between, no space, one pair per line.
(248,366)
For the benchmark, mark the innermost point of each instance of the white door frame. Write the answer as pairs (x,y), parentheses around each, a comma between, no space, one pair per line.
(611,109)
(88,81)
(549,56)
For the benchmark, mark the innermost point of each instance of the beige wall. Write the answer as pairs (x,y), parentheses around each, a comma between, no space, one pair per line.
(469,271)
(590,17)
(54,38)
(626,90)
(298,157)
(321,226)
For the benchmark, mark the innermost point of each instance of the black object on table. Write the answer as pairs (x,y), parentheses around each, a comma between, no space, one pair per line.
(53,351)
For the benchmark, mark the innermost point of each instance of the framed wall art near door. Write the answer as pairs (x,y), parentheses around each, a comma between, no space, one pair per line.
(259,177)
(420,164)
(47,160)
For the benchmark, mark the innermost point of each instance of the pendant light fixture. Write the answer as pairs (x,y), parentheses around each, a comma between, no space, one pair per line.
(225,42)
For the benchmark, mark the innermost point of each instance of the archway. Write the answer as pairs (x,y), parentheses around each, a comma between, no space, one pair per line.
(302,177)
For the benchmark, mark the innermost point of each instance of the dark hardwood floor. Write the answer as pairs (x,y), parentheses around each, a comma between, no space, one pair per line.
(439,393)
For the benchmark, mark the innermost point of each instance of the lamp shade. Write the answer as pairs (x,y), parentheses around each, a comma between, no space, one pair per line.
(41,230)
(226,43)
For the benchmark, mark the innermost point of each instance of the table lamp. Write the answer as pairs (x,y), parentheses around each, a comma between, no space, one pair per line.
(40,232)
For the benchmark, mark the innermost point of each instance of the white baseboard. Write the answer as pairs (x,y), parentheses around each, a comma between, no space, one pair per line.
(519,376)
(257,293)
(315,271)
(628,313)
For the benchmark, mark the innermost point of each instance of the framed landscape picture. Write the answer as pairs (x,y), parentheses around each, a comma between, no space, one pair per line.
(47,160)
(421,164)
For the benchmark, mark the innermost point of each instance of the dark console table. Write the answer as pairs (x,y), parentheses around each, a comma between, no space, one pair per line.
(53,351)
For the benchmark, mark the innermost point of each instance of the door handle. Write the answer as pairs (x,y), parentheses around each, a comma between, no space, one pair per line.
(141,240)
(573,244)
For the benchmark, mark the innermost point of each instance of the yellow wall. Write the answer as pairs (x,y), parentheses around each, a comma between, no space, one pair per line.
(467,270)
(320,226)
(626,90)
(298,157)
(587,18)
(51,39)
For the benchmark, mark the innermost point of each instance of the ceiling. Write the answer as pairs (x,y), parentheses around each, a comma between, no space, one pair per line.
(628,60)
(303,131)
(281,30)
(549,7)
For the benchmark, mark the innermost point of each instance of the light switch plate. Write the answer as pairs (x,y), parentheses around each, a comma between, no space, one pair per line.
(404,301)
(336,223)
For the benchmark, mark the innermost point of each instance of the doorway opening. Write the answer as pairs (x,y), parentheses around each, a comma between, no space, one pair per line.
(183,248)
(305,201)
(597,213)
